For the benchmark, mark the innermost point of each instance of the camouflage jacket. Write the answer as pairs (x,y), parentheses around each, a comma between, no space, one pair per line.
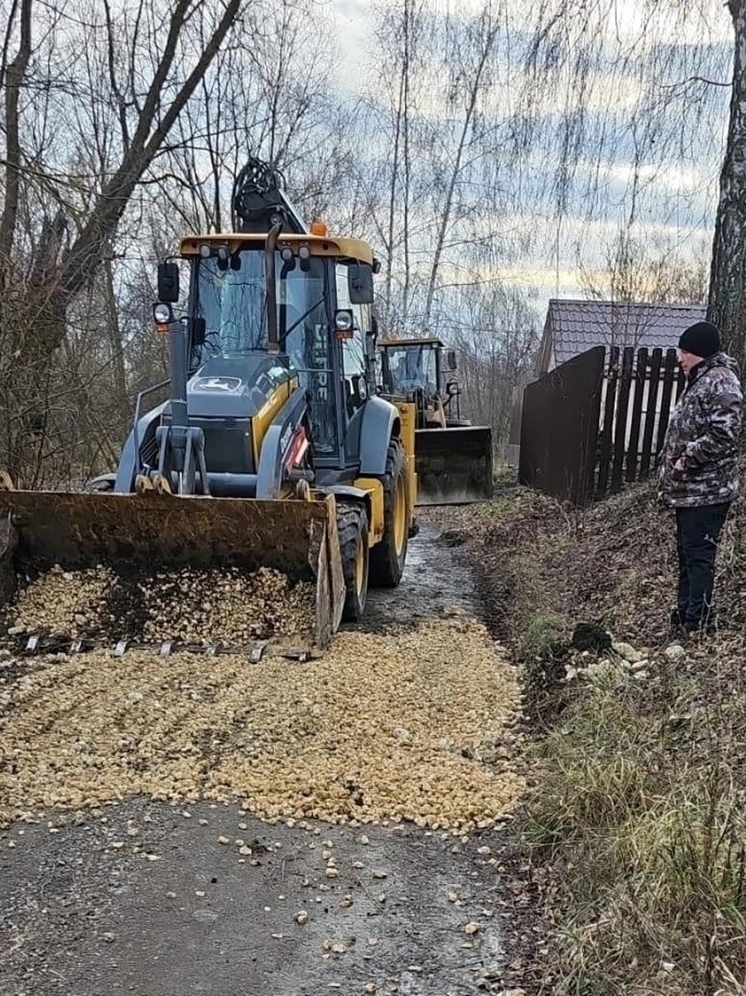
(703,433)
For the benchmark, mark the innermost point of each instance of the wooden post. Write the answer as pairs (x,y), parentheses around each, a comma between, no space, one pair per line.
(656,361)
(620,427)
(633,444)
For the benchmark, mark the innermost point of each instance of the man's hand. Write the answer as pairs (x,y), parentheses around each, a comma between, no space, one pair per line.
(679,466)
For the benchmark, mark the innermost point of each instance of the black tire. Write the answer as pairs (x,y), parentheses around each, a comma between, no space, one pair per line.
(387,558)
(352,527)
(100,484)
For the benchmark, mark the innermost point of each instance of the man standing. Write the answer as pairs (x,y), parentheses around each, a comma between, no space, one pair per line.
(699,468)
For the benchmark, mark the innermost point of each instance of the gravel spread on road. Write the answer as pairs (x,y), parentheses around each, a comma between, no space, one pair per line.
(411,725)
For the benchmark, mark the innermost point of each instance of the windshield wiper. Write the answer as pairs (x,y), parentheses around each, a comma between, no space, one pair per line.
(298,321)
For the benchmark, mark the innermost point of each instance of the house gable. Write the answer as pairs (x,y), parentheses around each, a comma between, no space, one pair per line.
(572,327)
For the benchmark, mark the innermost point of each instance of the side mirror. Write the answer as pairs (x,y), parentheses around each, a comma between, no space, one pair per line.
(452,388)
(451,360)
(168,282)
(360,283)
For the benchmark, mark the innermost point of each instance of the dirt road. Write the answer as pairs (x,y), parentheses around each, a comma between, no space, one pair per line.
(159,900)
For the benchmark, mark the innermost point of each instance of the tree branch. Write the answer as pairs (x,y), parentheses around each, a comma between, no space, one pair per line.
(82,259)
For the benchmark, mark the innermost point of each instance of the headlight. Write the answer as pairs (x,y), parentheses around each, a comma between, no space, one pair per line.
(343,320)
(343,323)
(162,313)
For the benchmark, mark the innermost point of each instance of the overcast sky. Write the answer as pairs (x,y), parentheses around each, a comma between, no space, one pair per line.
(677,190)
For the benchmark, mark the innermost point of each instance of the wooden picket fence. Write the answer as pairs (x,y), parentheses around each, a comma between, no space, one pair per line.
(598,421)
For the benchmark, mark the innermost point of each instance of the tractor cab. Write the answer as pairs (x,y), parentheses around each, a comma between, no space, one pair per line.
(300,309)
(421,371)
(453,457)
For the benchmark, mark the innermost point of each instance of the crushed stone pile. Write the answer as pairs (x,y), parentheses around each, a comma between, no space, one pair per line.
(226,606)
(187,605)
(415,725)
(69,603)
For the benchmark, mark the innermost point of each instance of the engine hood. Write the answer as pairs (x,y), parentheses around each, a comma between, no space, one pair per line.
(236,386)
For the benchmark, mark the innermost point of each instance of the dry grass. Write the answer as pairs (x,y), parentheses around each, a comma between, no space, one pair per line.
(643,815)
(638,831)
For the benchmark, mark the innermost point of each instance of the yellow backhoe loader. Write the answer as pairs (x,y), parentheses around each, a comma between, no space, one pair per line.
(453,458)
(273,448)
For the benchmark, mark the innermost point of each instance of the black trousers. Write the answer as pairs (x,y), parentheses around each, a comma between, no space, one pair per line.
(698,533)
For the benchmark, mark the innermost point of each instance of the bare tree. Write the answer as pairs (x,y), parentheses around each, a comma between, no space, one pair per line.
(62,250)
(652,271)
(270,95)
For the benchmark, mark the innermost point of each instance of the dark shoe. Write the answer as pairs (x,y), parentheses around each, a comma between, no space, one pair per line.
(704,629)
(677,629)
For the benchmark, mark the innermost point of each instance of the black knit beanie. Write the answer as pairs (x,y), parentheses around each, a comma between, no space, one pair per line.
(701,339)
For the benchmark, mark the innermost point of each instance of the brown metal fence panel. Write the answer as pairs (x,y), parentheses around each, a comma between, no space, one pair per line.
(559,430)
(654,379)
(570,449)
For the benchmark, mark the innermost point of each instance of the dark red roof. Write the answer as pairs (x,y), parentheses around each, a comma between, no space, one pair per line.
(576,326)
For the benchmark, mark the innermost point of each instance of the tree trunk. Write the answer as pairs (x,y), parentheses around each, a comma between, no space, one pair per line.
(14,80)
(33,311)
(727,299)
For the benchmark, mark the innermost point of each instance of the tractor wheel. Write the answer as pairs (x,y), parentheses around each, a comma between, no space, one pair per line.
(352,527)
(388,557)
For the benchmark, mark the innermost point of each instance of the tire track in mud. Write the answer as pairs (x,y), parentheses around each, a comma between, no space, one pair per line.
(437,581)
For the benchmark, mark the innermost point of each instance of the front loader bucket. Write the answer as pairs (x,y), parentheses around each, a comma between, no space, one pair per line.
(454,466)
(40,529)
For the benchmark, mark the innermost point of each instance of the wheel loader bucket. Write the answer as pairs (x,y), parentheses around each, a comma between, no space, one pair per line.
(40,529)
(454,466)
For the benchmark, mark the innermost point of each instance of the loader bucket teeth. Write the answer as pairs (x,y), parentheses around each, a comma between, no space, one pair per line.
(161,485)
(454,466)
(152,531)
(143,484)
